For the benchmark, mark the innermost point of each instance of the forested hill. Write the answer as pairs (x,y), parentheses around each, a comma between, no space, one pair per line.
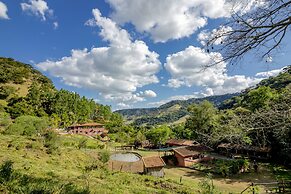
(176,111)
(24,91)
(17,77)
(277,83)
(171,112)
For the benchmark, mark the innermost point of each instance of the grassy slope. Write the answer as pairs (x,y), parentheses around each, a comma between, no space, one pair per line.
(69,165)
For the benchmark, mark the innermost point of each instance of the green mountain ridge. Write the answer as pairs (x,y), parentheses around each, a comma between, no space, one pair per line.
(170,112)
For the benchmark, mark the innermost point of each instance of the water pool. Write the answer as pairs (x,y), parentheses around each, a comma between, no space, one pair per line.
(125,157)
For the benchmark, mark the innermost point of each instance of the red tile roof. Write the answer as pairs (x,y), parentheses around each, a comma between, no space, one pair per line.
(153,161)
(189,151)
(86,125)
(181,142)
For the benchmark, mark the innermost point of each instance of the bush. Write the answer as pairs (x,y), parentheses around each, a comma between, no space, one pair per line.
(82,143)
(5,120)
(6,91)
(104,156)
(206,186)
(50,141)
(28,126)
(6,171)
(229,167)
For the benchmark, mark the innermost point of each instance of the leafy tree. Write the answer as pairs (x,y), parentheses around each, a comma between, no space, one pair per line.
(6,91)
(140,137)
(19,106)
(159,135)
(5,120)
(181,132)
(259,98)
(203,121)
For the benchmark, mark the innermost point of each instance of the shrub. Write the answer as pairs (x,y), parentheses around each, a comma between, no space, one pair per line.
(82,143)
(5,120)
(206,185)
(28,126)
(6,91)
(6,171)
(50,141)
(104,156)
(229,167)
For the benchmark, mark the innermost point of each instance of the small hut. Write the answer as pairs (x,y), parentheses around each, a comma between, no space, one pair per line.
(188,155)
(154,166)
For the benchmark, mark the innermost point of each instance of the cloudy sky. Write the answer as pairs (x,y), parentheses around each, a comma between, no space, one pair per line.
(129,53)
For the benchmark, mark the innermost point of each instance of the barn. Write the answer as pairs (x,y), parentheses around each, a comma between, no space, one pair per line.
(154,166)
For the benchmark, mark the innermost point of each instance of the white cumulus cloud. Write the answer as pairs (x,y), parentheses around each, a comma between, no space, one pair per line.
(38,8)
(187,68)
(269,73)
(174,19)
(3,11)
(177,97)
(149,94)
(115,71)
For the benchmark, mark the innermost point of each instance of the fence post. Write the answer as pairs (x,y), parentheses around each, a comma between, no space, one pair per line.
(253,188)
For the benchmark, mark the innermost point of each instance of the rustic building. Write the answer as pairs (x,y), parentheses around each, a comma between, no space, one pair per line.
(154,166)
(90,129)
(188,155)
(236,150)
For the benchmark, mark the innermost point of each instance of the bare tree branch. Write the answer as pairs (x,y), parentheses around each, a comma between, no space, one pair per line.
(260,30)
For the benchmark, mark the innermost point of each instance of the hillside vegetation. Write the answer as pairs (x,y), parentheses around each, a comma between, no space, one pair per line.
(16,78)
(25,91)
(172,112)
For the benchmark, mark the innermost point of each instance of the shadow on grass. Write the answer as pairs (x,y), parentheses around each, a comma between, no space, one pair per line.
(265,174)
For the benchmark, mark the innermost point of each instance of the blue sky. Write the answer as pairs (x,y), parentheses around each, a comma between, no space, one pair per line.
(128,53)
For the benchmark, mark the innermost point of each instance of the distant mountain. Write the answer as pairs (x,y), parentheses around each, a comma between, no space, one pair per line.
(172,112)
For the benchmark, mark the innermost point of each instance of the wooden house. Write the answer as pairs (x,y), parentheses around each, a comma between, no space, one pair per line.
(90,129)
(154,166)
(188,155)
